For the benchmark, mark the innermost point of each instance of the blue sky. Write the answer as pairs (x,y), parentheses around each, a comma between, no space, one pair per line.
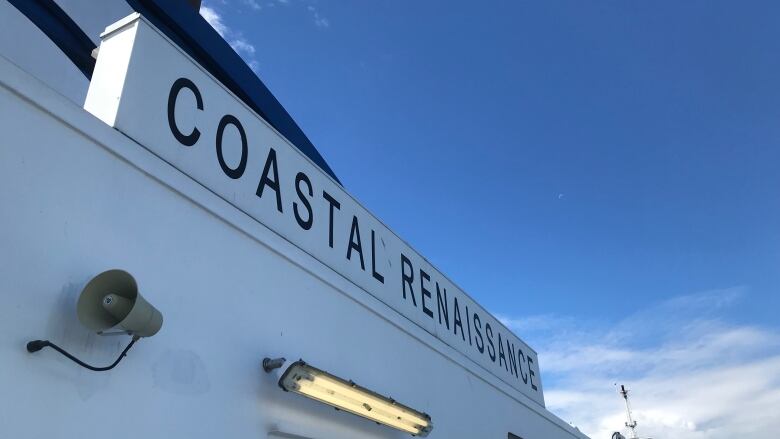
(603,176)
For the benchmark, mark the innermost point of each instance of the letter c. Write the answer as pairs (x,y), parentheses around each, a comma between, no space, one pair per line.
(188,139)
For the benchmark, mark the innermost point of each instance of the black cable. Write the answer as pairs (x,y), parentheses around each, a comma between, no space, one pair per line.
(37,345)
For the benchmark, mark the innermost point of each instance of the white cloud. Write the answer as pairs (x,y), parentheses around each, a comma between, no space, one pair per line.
(254,4)
(242,47)
(319,20)
(214,19)
(692,374)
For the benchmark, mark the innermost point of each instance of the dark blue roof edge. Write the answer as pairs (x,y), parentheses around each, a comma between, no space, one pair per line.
(185,27)
(61,30)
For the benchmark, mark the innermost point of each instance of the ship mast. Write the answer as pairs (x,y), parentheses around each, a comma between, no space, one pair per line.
(631,424)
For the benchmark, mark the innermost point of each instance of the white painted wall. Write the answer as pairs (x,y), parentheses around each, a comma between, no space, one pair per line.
(26,46)
(79,197)
(131,90)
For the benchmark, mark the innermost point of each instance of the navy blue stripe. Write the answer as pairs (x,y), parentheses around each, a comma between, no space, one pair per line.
(185,27)
(63,31)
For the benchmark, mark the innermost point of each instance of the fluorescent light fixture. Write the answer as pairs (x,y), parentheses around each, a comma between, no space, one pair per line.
(348,396)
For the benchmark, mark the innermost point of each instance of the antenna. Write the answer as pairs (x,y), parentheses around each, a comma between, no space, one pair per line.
(631,424)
